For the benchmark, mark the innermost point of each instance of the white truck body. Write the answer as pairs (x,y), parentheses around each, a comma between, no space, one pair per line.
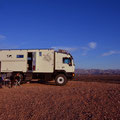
(36,61)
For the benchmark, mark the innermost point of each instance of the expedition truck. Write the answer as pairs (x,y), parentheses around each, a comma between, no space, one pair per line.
(41,64)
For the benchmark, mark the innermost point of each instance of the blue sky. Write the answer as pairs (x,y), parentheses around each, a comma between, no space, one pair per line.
(89,29)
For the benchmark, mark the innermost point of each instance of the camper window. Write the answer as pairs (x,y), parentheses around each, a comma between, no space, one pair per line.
(40,53)
(20,56)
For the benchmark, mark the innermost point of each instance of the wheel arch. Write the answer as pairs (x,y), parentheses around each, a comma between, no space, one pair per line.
(57,72)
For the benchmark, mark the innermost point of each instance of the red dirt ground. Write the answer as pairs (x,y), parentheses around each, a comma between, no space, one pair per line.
(75,101)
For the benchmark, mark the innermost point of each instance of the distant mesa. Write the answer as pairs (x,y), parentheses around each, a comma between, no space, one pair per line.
(97,72)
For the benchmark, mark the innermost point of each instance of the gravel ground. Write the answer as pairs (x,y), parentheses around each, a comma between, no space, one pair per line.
(75,101)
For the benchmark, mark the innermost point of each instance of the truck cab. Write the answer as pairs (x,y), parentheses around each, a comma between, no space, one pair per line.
(64,64)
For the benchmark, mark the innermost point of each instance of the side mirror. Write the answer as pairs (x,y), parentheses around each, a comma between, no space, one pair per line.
(70,64)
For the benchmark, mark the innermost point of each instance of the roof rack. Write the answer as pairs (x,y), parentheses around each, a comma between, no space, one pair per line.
(63,51)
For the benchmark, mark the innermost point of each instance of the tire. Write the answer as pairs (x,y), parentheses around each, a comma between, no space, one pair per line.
(60,80)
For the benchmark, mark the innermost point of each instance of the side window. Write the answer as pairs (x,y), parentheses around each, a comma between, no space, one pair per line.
(40,53)
(66,60)
(20,56)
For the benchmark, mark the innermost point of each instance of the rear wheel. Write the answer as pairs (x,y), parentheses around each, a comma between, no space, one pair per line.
(60,80)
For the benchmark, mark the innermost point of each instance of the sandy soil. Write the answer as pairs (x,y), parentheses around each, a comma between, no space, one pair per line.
(77,100)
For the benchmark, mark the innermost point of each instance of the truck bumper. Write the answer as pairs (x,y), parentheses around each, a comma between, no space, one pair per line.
(70,76)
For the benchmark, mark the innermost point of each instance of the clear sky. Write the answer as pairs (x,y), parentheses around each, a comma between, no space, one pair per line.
(89,29)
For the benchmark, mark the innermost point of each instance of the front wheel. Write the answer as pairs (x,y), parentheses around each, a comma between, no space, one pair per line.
(60,80)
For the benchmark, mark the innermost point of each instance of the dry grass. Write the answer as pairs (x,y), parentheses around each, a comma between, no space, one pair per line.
(77,100)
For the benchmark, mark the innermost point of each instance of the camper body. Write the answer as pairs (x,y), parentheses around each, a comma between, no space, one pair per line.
(42,64)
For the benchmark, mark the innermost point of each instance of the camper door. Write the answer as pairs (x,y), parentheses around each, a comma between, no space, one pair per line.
(31,61)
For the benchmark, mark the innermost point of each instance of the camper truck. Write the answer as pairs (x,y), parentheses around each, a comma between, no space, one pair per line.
(41,64)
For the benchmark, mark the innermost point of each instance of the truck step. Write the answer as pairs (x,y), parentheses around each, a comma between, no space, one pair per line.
(28,76)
